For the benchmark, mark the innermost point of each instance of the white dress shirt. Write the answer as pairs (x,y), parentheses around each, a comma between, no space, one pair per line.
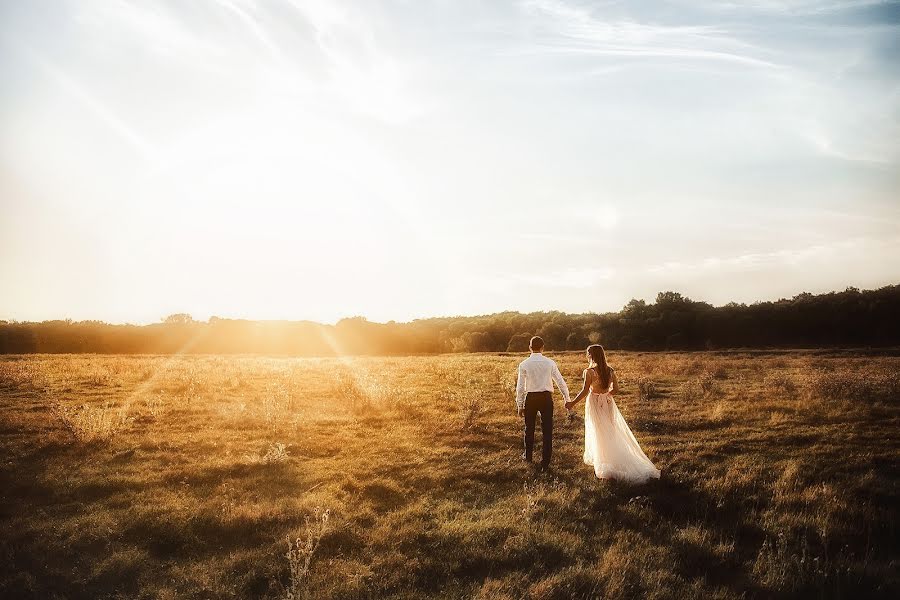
(537,374)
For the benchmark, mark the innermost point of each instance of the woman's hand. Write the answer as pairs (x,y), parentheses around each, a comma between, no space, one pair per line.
(570,404)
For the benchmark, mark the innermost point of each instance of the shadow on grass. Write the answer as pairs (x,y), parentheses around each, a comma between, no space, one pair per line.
(661,511)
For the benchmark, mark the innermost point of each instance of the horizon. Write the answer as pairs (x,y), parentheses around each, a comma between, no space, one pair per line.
(308,160)
(649,301)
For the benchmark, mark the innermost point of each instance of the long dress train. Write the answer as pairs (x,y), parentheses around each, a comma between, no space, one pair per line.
(609,445)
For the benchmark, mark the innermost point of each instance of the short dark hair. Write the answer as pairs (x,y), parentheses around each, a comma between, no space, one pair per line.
(536,343)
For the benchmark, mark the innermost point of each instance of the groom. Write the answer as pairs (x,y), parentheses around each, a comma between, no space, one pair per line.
(534,390)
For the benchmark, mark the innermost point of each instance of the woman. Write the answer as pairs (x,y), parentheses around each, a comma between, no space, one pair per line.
(609,445)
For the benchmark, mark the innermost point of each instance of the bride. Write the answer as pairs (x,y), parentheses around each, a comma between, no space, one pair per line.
(609,445)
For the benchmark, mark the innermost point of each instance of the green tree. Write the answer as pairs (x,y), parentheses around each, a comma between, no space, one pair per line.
(519,342)
(576,341)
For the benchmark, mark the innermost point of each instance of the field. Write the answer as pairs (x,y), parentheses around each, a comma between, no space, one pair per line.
(245,477)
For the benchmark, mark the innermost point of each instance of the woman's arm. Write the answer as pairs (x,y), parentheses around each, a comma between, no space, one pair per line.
(585,388)
(615,383)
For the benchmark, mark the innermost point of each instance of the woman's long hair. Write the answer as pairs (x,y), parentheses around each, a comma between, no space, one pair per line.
(598,355)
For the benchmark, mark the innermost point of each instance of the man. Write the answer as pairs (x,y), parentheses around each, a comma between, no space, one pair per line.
(534,394)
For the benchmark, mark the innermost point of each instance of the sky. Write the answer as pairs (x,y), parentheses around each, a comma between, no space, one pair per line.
(293,159)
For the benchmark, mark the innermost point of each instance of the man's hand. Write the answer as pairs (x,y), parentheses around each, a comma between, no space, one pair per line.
(570,404)
(521,412)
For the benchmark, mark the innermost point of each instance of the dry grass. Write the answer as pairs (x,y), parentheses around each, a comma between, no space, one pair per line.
(173,477)
(300,554)
(91,423)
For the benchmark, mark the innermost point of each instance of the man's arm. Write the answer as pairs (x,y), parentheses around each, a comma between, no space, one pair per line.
(560,382)
(520,390)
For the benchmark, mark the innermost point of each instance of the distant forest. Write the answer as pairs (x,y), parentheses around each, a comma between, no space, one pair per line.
(851,318)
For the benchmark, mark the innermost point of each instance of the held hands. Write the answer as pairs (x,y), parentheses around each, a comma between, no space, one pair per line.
(521,412)
(570,404)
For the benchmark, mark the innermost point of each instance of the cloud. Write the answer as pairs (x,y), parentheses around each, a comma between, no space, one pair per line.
(368,79)
(89,100)
(799,7)
(256,29)
(153,27)
(790,257)
(324,54)
(820,138)
(575,30)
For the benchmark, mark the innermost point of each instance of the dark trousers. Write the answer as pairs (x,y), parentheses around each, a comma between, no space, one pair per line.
(539,402)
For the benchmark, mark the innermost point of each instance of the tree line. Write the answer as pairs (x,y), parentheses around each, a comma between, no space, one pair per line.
(851,318)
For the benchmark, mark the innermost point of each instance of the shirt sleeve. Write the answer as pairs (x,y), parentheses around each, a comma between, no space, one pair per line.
(560,382)
(520,389)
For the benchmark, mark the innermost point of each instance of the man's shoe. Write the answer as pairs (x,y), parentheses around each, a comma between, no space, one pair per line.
(544,468)
(526,458)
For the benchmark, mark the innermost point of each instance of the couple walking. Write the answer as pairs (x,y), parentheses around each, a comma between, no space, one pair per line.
(609,446)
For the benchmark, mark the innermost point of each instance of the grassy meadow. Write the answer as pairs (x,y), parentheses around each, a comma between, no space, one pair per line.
(275,477)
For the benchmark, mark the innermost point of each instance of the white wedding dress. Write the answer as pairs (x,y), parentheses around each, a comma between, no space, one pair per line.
(609,445)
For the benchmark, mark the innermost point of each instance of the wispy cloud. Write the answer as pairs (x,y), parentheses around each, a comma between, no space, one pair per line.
(818,135)
(790,257)
(152,26)
(797,7)
(324,54)
(361,73)
(567,28)
(254,27)
(70,87)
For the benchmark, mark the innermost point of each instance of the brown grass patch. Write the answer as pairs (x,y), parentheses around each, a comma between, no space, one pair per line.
(182,477)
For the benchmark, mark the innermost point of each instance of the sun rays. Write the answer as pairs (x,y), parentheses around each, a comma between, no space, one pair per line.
(314,160)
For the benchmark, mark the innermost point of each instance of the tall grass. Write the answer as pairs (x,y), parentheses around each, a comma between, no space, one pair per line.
(91,422)
(777,479)
(301,550)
